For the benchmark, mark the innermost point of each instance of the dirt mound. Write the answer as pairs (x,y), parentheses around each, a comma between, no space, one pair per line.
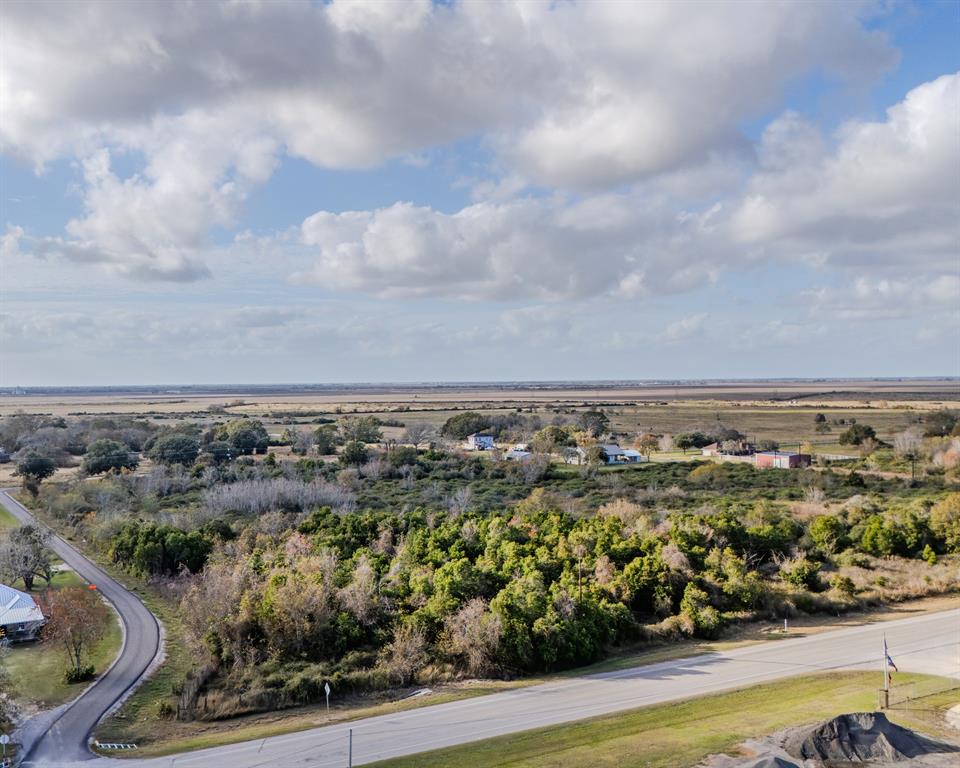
(861,737)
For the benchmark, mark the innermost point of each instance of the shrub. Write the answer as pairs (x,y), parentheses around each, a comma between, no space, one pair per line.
(843,584)
(79,674)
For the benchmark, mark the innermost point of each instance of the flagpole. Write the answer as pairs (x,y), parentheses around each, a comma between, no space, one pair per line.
(886,674)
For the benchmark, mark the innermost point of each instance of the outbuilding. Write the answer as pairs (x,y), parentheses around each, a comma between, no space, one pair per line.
(782,459)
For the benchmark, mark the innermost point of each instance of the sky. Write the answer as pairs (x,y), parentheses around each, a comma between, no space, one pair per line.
(296,192)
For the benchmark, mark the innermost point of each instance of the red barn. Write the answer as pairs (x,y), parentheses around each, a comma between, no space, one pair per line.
(782,459)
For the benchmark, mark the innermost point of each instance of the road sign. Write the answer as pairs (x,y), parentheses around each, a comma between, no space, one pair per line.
(4,740)
(326,689)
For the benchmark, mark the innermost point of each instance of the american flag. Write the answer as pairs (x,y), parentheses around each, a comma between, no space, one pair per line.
(889,661)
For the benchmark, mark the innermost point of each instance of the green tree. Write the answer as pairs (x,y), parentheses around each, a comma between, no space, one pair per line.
(362,429)
(175,448)
(593,422)
(945,521)
(326,439)
(219,450)
(701,618)
(464,424)
(940,423)
(34,468)
(354,453)
(105,455)
(828,533)
(551,438)
(247,436)
(856,434)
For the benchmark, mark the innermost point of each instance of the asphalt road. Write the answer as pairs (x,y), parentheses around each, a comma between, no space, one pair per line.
(928,643)
(65,739)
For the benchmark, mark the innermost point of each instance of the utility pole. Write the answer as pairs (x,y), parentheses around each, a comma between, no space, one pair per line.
(350,750)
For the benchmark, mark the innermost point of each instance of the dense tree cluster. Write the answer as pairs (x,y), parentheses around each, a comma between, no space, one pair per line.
(152,549)
(526,590)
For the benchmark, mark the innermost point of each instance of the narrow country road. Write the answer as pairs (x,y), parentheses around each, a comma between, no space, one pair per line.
(65,739)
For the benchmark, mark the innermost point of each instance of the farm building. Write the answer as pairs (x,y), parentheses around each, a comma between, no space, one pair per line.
(20,616)
(479,442)
(515,454)
(782,459)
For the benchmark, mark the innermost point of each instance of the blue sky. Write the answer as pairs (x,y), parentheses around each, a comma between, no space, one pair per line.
(478,191)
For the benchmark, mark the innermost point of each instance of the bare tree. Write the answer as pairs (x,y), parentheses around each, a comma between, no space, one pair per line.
(406,654)
(24,555)
(473,634)
(665,443)
(908,442)
(415,434)
(76,619)
(460,500)
(359,596)
(534,468)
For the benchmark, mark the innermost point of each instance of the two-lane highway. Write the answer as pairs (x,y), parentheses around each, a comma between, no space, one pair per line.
(65,740)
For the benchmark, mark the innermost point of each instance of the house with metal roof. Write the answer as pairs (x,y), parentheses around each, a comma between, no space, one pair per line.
(20,616)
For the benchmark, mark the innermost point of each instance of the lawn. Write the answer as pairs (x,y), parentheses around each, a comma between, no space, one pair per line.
(683,733)
(36,669)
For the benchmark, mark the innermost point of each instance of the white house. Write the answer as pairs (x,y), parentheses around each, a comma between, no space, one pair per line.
(515,454)
(478,442)
(614,453)
(20,616)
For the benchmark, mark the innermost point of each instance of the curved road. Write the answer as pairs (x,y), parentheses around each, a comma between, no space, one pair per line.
(65,739)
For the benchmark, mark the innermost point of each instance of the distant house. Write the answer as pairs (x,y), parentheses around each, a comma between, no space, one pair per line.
(20,616)
(614,453)
(479,442)
(515,454)
(782,459)
(617,455)
(728,449)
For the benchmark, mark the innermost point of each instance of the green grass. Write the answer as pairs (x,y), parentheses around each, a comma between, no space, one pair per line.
(36,669)
(679,734)
(7,520)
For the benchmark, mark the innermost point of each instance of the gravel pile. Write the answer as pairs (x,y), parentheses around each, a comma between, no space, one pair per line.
(861,737)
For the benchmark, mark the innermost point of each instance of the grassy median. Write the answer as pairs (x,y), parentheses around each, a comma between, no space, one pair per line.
(682,734)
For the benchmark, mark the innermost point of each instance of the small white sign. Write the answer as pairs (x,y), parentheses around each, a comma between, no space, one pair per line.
(326,688)
(4,739)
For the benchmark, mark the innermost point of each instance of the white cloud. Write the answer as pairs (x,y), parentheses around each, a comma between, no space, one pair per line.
(684,328)
(887,193)
(211,95)
(546,249)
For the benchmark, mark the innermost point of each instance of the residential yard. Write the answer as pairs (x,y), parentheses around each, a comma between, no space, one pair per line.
(36,669)
(682,734)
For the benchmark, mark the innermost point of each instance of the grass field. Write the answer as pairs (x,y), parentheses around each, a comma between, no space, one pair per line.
(682,734)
